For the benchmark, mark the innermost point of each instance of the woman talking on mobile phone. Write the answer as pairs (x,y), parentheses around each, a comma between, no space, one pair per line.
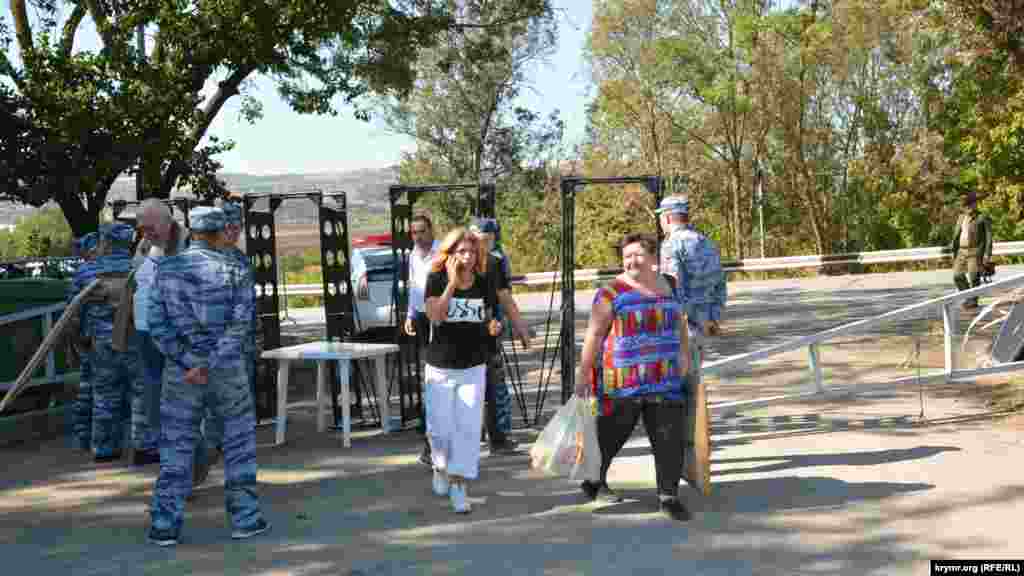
(459,304)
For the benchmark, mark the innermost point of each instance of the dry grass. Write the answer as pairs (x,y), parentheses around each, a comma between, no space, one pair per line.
(296,239)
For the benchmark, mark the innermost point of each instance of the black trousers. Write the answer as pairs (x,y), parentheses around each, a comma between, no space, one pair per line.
(422,325)
(666,430)
(495,377)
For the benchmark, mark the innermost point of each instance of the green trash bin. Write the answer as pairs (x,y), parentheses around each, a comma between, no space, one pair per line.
(21,338)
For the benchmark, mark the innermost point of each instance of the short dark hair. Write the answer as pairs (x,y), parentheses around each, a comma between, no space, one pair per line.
(648,241)
(425,219)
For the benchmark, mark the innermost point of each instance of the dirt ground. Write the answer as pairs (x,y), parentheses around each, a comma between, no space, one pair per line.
(876,484)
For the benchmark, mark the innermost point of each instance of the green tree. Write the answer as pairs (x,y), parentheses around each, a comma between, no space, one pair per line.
(44,233)
(462,113)
(983,116)
(102,114)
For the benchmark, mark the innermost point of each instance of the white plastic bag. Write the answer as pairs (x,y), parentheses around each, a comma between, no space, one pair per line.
(568,444)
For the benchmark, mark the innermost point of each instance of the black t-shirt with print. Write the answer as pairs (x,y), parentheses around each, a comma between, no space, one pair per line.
(461,341)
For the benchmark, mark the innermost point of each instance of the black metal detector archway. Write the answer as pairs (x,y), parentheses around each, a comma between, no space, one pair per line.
(335,253)
(409,377)
(570,185)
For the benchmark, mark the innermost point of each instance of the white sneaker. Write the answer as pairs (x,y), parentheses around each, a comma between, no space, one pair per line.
(440,483)
(457,495)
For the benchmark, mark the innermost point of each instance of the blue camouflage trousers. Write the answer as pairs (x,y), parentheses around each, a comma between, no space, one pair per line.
(81,406)
(499,401)
(182,409)
(213,427)
(117,384)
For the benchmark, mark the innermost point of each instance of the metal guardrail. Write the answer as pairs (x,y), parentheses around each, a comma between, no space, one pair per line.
(44,260)
(49,315)
(50,266)
(948,307)
(750,264)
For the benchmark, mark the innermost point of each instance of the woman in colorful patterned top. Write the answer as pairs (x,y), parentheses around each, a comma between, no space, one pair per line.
(634,363)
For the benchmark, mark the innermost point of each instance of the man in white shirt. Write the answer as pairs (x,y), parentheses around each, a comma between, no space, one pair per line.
(421,229)
(162,237)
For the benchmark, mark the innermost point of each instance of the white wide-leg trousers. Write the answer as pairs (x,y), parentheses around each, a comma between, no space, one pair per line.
(454,416)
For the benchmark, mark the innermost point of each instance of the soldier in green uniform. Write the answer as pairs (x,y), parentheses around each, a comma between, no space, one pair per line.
(972,247)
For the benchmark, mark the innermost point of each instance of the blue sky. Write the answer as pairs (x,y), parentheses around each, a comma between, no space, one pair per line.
(286,142)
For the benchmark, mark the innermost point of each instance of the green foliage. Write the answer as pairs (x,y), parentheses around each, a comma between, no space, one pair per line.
(468,129)
(84,117)
(860,114)
(45,233)
(529,210)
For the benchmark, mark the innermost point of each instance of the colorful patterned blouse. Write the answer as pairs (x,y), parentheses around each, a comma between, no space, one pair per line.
(640,354)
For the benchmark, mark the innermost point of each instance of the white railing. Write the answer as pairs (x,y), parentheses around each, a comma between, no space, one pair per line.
(33,267)
(750,264)
(49,315)
(948,307)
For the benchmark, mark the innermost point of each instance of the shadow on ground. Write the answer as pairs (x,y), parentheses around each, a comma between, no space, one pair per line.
(369,510)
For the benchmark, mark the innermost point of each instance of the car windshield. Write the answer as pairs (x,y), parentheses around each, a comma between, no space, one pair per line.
(378,259)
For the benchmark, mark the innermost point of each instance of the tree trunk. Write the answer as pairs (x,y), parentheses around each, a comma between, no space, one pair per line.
(81,219)
(818,226)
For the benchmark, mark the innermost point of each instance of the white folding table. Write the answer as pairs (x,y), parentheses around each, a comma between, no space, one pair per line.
(323,352)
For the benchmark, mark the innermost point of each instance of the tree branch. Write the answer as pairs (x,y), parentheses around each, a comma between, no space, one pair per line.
(496,24)
(693,134)
(225,91)
(22,28)
(67,42)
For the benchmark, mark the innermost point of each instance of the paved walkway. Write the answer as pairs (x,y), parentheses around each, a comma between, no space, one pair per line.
(859,486)
(862,487)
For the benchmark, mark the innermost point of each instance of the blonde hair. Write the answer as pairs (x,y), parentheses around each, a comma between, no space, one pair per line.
(447,248)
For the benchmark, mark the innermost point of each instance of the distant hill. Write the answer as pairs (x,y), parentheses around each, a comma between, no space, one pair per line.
(367,191)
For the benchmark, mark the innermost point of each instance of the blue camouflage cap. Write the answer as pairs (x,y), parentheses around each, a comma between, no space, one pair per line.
(484,225)
(232,212)
(88,242)
(117,233)
(674,205)
(206,219)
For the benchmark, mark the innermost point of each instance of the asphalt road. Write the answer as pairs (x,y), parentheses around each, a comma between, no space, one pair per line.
(764,313)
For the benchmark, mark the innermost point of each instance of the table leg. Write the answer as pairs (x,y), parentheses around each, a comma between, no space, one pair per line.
(322,394)
(282,400)
(383,402)
(346,408)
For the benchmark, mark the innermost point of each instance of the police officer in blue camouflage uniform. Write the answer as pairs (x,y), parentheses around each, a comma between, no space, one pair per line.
(693,261)
(117,379)
(199,316)
(81,407)
(233,233)
(209,451)
(498,401)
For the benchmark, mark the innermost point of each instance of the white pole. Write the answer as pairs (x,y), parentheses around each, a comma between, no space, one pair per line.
(760,205)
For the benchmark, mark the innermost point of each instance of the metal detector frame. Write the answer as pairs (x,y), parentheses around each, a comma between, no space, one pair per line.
(401,248)
(570,185)
(335,261)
